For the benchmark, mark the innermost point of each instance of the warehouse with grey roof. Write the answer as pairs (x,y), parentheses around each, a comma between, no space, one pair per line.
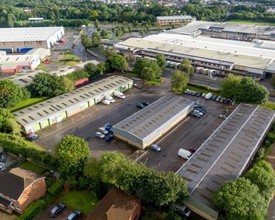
(30,37)
(54,110)
(147,125)
(224,156)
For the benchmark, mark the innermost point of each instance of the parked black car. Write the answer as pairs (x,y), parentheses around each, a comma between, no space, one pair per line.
(57,209)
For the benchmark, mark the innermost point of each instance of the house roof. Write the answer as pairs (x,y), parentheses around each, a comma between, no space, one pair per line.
(13,183)
(115,205)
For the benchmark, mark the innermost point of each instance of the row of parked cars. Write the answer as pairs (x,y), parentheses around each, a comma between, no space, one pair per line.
(105,132)
(210,96)
(58,208)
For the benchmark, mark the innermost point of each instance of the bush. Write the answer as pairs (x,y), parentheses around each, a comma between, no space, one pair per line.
(33,210)
(56,187)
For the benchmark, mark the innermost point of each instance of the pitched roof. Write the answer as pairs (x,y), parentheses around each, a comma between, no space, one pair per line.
(13,183)
(115,205)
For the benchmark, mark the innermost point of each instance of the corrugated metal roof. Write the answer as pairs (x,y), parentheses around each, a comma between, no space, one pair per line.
(226,153)
(76,97)
(144,122)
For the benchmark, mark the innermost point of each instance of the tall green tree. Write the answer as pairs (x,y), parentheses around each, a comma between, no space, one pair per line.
(161,60)
(147,69)
(229,85)
(48,85)
(10,93)
(241,199)
(116,62)
(159,188)
(179,81)
(71,153)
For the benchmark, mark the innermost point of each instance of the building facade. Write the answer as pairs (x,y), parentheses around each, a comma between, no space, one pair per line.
(173,20)
(51,111)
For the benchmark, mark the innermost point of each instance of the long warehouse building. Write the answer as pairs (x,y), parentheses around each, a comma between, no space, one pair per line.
(12,39)
(54,110)
(147,125)
(224,156)
(255,59)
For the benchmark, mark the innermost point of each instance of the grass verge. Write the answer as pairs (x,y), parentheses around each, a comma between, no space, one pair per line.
(270,105)
(154,82)
(27,103)
(32,167)
(84,201)
(251,22)
(203,89)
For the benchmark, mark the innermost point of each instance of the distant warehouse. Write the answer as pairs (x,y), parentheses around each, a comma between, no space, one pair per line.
(54,110)
(147,125)
(32,37)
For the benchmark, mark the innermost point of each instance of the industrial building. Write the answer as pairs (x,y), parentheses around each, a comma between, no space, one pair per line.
(10,64)
(173,20)
(30,37)
(54,110)
(218,55)
(225,30)
(26,78)
(147,125)
(224,156)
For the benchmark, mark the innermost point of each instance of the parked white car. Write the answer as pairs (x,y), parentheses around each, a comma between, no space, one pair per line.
(99,134)
(103,130)
(106,102)
(119,95)
(109,98)
(2,166)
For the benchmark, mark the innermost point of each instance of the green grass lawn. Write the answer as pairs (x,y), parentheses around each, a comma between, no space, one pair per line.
(82,200)
(251,22)
(27,103)
(71,57)
(154,82)
(32,167)
(270,105)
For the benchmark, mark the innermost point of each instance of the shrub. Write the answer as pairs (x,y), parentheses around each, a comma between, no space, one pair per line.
(56,187)
(33,210)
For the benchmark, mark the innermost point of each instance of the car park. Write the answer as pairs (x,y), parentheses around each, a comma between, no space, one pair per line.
(57,209)
(74,215)
(99,134)
(214,97)
(186,91)
(140,106)
(109,137)
(198,94)
(203,95)
(218,98)
(103,130)
(155,147)
(192,150)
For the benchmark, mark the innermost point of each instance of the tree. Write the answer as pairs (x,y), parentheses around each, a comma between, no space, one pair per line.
(240,199)
(144,66)
(116,62)
(86,42)
(96,23)
(96,39)
(10,93)
(71,153)
(48,85)
(229,85)
(262,176)
(161,60)
(244,90)
(8,123)
(179,81)
(159,188)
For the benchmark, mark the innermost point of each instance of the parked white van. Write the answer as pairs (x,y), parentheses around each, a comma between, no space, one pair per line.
(184,154)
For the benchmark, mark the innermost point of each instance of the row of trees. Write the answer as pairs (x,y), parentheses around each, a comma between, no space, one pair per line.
(114,170)
(248,196)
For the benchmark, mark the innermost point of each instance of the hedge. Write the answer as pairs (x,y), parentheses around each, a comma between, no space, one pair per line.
(209,88)
(56,187)
(19,146)
(33,210)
